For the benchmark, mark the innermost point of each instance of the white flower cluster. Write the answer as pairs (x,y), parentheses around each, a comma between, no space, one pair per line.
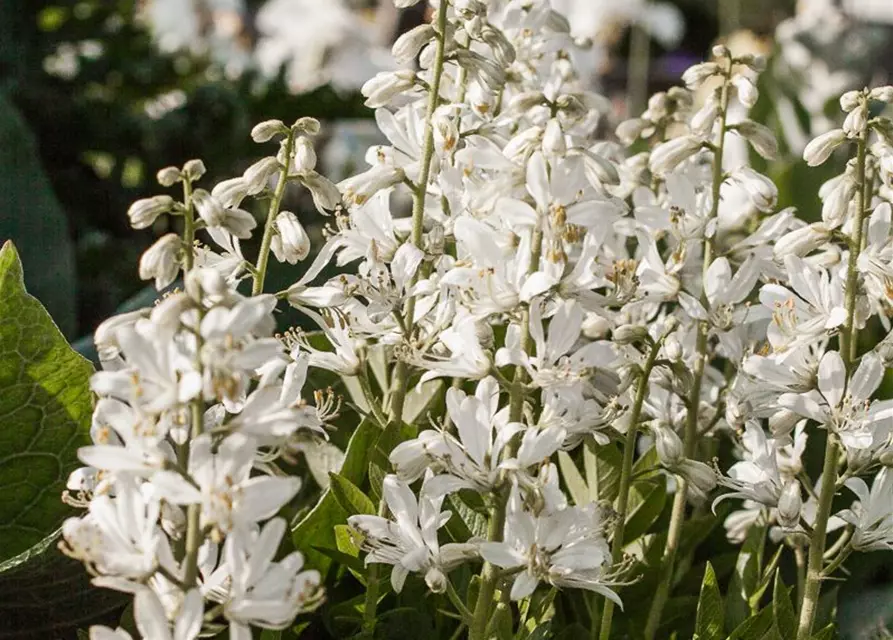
(593,295)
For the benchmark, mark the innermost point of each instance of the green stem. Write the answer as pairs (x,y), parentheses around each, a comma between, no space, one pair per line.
(690,435)
(629,448)
(400,381)
(188,227)
(848,344)
(483,607)
(263,256)
(638,70)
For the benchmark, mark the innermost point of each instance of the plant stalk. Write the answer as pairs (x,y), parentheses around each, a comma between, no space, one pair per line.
(848,344)
(263,255)
(626,469)
(690,435)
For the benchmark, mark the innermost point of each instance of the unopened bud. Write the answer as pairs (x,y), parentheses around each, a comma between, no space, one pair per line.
(194,170)
(821,148)
(266,130)
(305,155)
(169,176)
(160,261)
(884,94)
(721,51)
(670,449)
(695,76)
(143,213)
(258,175)
(630,334)
(850,100)
(760,138)
(553,139)
(291,244)
(306,125)
(407,46)
(789,505)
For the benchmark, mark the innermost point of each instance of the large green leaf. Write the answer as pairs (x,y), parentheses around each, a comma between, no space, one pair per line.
(317,529)
(709,623)
(45,408)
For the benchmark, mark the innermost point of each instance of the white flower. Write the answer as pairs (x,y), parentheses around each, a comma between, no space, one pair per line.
(216,215)
(119,536)
(821,148)
(668,155)
(254,590)
(845,407)
(564,548)
(410,541)
(871,514)
(161,260)
(229,497)
(291,244)
(756,477)
(143,213)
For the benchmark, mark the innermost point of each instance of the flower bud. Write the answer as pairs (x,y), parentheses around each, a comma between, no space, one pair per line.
(599,170)
(359,188)
(668,155)
(673,348)
(670,449)
(850,100)
(407,46)
(384,86)
(161,261)
(703,120)
(230,193)
(721,51)
(821,148)
(305,155)
(266,130)
(802,241)
(747,90)
(855,121)
(629,334)
(291,244)
(169,176)
(502,49)
(205,283)
(324,192)
(696,75)
(306,125)
(761,190)
(525,101)
(595,326)
(143,213)
(884,94)
(194,170)
(629,131)
(789,505)
(258,175)
(106,335)
(886,459)
(837,203)
(760,137)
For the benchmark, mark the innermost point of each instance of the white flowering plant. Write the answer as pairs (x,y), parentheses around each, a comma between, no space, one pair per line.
(515,417)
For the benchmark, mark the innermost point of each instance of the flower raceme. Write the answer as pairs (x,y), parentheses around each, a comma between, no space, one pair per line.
(566,301)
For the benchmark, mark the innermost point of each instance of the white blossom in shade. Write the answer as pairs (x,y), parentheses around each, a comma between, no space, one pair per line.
(871,515)
(669,155)
(564,548)
(556,362)
(476,456)
(409,542)
(229,497)
(256,591)
(158,375)
(234,220)
(700,476)
(821,148)
(844,407)
(152,622)
(761,190)
(344,359)
(757,476)
(119,536)
(161,261)
(813,309)
(466,359)
(291,244)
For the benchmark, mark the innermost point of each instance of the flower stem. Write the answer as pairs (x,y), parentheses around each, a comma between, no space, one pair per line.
(188,227)
(690,436)
(400,381)
(489,573)
(626,471)
(848,342)
(638,70)
(263,256)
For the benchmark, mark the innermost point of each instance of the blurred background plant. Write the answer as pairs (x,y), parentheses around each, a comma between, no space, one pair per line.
(97,95)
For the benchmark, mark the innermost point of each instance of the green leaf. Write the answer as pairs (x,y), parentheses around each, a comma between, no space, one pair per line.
(784,618)
(745,579)
(317,528)
(828,633)
(350,496)
(351,562)
(645,508)
(45,408)
(754,628)
(573,479)
(602,465)
(709,623)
